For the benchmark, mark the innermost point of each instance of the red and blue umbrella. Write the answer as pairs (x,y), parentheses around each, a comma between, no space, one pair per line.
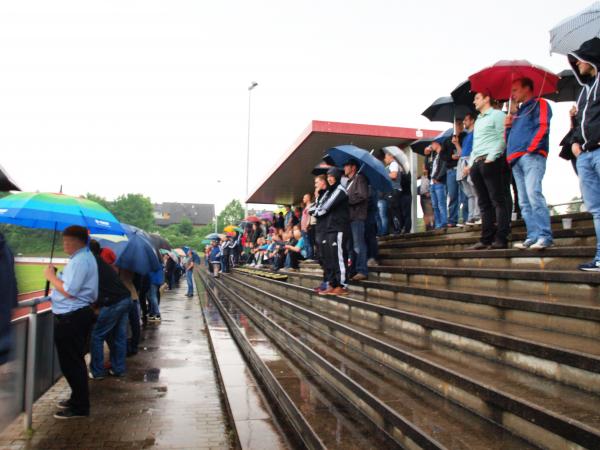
(57,212)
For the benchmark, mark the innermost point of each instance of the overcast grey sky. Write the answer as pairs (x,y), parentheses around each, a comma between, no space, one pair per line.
(147,96)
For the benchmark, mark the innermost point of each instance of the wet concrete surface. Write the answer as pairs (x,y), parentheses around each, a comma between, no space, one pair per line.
(169,397)
(254,421)
(330,419)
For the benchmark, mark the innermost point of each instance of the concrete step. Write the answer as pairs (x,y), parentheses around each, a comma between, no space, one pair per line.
(546,412)
(565,258)
(527,348)
(577,237)
(579,220)
(554,283)
(578,316)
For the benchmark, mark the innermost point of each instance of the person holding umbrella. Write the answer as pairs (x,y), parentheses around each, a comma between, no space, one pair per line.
(487,167)
(73,292)
(586,134)
(527,145)
(358,199)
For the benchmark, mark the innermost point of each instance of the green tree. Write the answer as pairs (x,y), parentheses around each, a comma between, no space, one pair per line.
(100,200)
(233,213)
(185,227)
(576,207)
(134,209)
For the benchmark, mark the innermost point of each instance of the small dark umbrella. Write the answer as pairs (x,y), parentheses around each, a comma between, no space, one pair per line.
(6,184)
(567,89)
(444,109)
(159,242)
(420,145)
(321,169)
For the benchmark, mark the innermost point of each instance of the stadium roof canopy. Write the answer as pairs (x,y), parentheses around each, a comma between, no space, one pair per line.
(291,177)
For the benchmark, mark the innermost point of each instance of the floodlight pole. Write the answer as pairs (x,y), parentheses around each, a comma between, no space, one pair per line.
(252,86)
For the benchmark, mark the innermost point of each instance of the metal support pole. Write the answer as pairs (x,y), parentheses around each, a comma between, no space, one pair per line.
(30,367)
(412,157)
(252,86)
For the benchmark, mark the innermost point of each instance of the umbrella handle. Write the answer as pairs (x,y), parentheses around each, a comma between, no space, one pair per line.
(47,289)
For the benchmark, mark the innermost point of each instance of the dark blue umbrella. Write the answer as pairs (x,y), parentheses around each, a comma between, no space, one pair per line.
(370,166)
(136,254)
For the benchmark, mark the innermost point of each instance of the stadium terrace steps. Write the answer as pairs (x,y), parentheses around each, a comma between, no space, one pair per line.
(452,341)
(545,412)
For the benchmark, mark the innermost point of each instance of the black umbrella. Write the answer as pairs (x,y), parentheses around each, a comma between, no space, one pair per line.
(159,242)
(445,110)
(420,145)
(567,89)
(321,169)
(462,94)
(6,184)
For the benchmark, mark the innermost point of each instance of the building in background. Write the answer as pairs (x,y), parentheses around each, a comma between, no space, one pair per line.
(171,213)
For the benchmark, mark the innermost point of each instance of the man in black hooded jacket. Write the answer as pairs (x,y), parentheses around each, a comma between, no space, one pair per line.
(336,215)
(586,134)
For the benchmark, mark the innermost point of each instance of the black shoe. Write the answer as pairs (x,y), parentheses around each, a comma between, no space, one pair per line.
(478,246)
(70,414)
(64,404)
(498,245)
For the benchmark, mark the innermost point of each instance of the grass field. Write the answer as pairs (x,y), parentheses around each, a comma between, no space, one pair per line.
(30,277)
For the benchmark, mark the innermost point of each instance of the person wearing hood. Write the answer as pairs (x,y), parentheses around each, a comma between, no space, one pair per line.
(586,134)
(527,144)
(336,215)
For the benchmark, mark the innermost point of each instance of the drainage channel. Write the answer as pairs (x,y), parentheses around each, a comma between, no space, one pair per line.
(310,416)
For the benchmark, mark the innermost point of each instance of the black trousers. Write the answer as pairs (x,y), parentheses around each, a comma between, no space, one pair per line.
(405,212)
(335,257)
(71,333)
(394,202)
(491,182)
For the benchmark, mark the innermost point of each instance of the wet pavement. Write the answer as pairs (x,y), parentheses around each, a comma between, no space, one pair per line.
(168,399)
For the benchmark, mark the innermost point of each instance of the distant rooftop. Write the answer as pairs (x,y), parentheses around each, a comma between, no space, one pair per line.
(170,213)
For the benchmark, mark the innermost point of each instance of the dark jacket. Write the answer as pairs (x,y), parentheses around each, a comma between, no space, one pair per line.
(358,197)
(321,223)
(8,298)
(111,289)
(530,131)
(587,129)
(335,210)
(449,149)
(438,168)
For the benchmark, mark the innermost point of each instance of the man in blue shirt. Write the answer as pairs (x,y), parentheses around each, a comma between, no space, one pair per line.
(465,181)
(74,291)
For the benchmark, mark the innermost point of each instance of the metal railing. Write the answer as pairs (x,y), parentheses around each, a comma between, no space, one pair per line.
(34,367)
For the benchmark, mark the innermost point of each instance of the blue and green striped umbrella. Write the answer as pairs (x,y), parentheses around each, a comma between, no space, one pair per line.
(57,212)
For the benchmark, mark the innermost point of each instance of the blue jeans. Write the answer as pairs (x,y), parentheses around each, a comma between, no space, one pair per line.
(189,275)
(463,202)
(588,168)
(308,245)
(452,186)
(382,217)
(528,173)
(111,326)
(153,297)
(439,203)
(359,246)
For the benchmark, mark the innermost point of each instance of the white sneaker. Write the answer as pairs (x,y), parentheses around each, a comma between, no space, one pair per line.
(541,244)
(524,245)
